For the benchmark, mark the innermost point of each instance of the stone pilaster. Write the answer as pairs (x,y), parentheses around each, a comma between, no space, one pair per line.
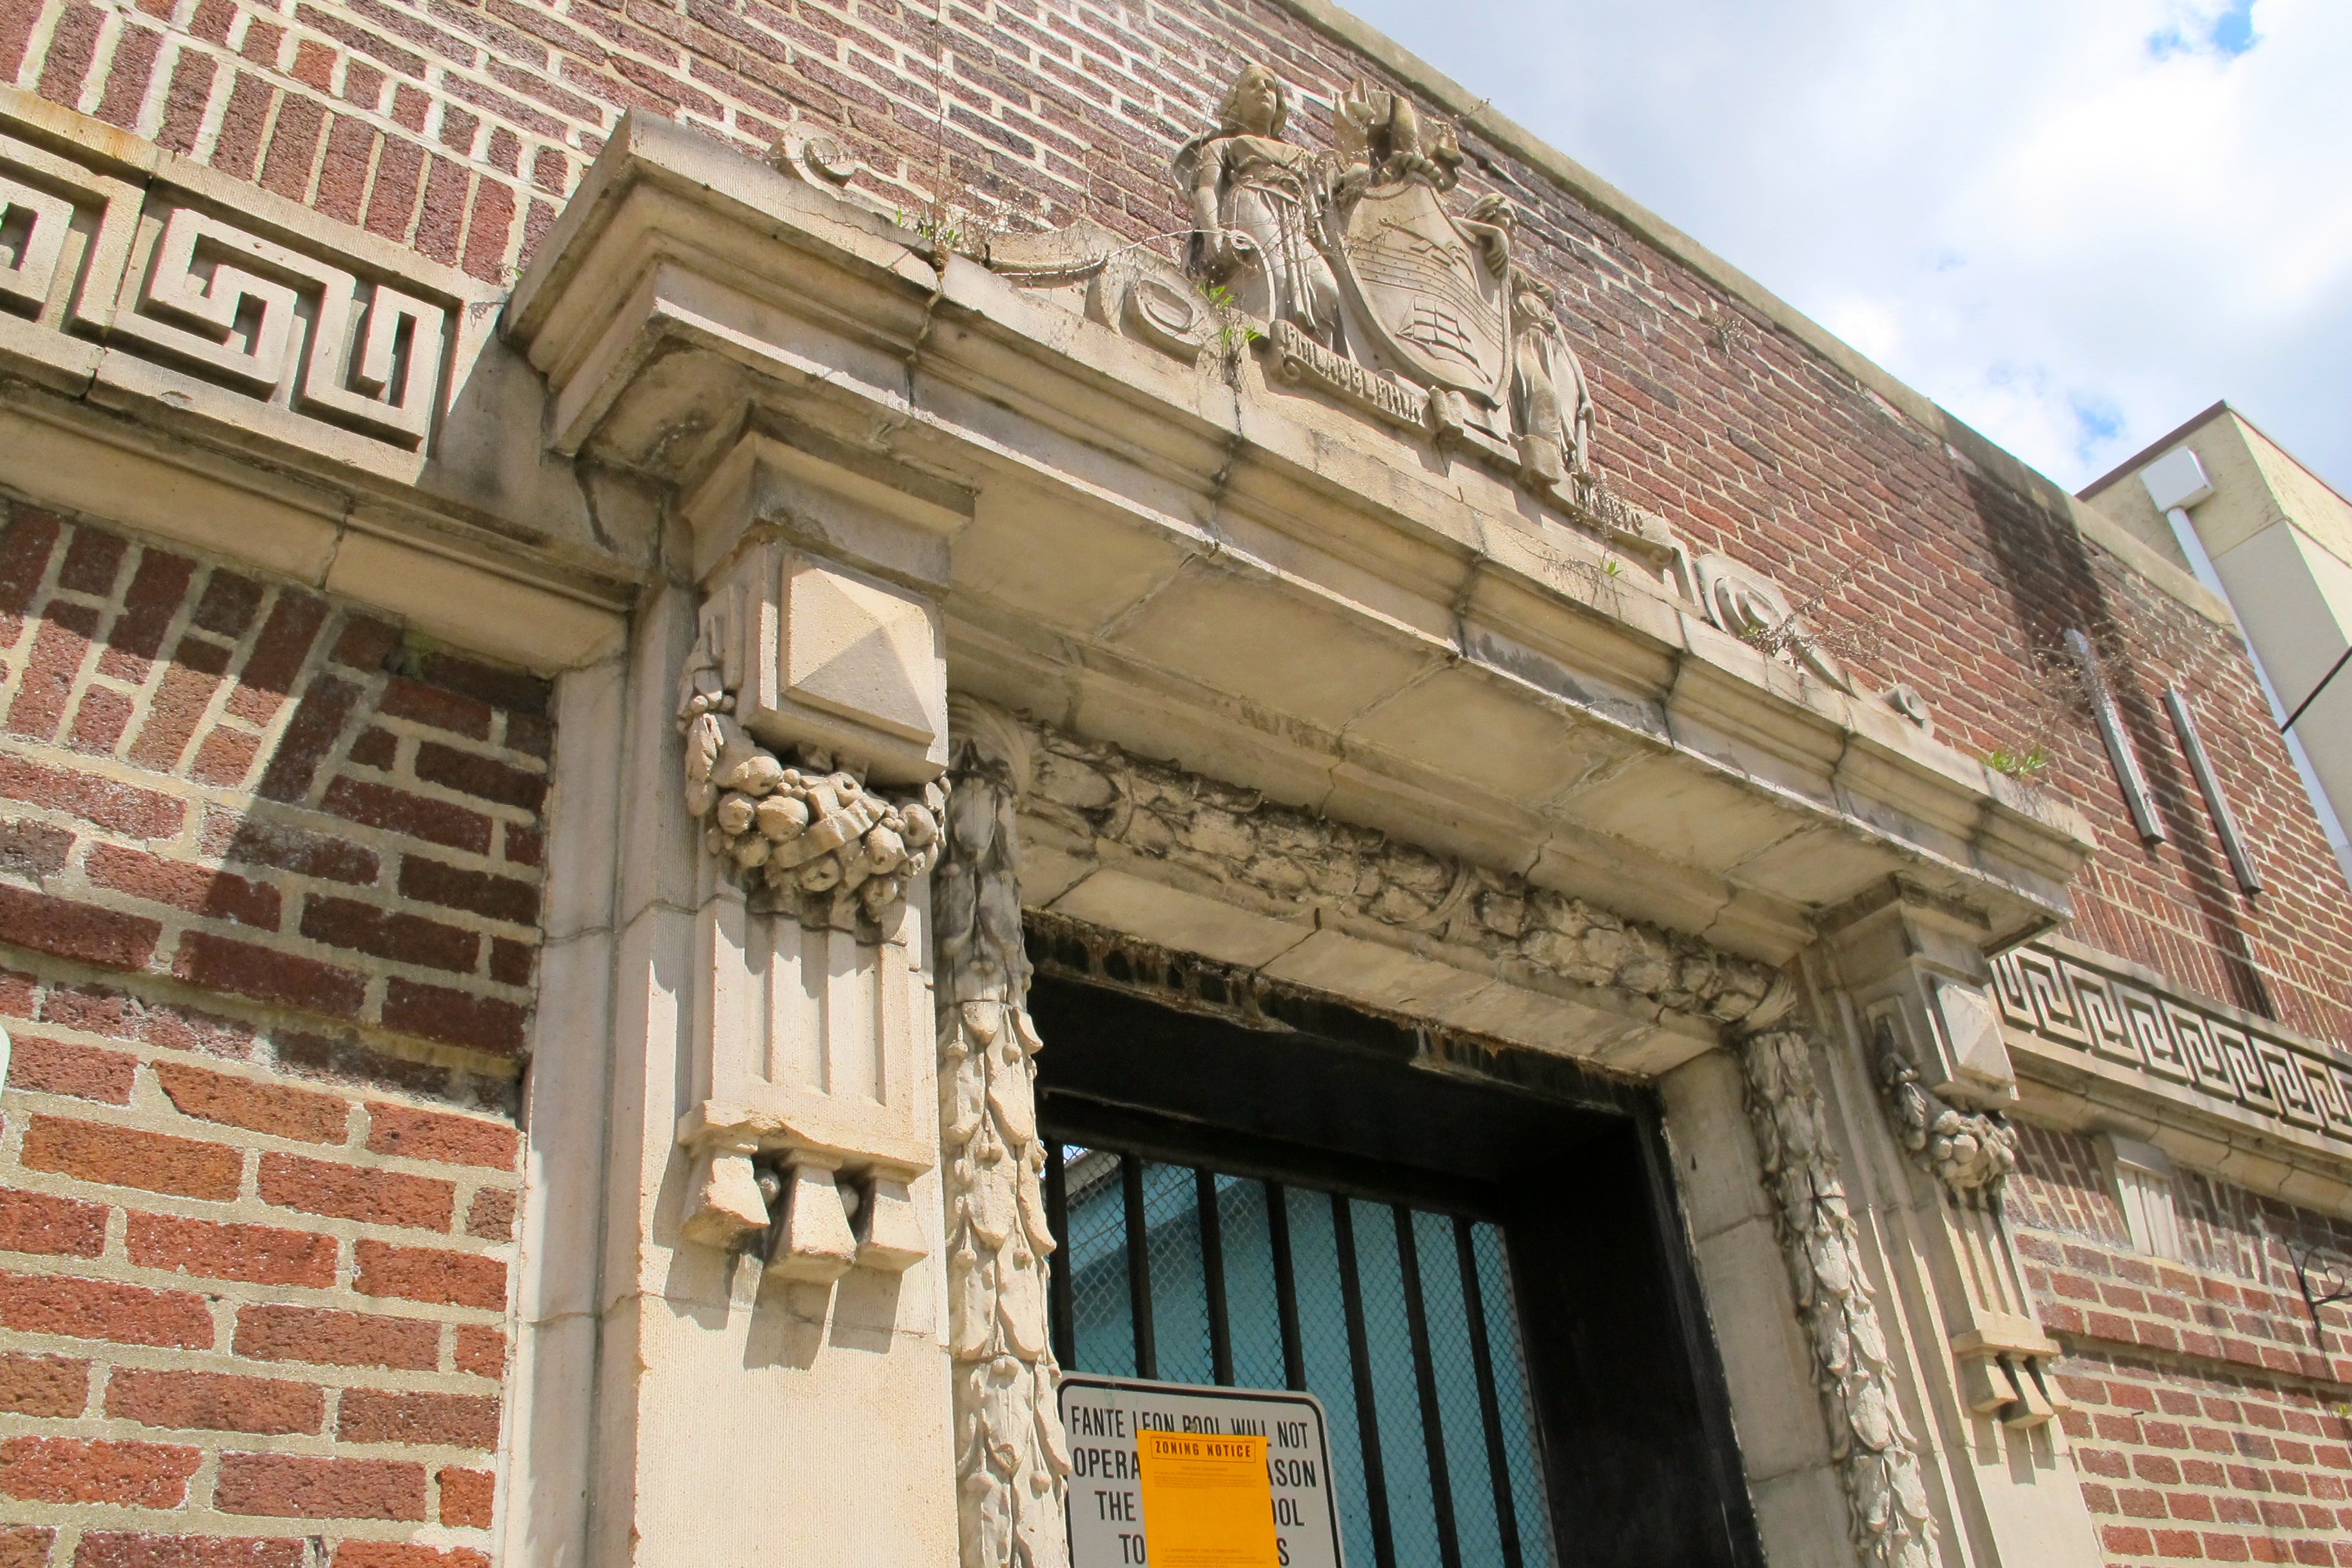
(1921,1080)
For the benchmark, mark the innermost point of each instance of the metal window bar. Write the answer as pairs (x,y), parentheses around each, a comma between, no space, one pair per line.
(1359,1364)
(1424,1375)
(1490,1409)
(1499,1432)
(1138,1267)
(1285,1287)
(1213,1275)
(1063,1266)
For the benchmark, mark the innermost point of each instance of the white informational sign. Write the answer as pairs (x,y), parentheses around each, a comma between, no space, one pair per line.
(1109,1526)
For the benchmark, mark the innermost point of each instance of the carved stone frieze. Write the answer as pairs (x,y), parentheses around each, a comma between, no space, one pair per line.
(1970,1152)
(1011,1458)
(810,840)
(1877,1459)
(1299,860)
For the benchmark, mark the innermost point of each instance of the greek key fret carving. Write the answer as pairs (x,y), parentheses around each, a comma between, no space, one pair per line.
(2058,999)
(242,320)
(283,327)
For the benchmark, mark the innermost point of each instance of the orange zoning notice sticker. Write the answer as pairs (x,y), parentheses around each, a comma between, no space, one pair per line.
(1208,1502)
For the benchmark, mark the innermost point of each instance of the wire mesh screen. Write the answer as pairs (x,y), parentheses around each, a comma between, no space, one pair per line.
(1400,1319)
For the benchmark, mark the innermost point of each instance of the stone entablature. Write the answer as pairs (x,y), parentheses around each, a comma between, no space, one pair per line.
(2113,1045)
(1122,533)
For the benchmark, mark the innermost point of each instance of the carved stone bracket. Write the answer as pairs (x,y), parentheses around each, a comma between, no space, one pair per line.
(811,840)
(807,1133)
(1877,1459)
(1970,1152)
(1012,1457)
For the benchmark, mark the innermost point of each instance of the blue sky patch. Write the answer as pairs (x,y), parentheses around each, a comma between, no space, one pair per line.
(2229,33)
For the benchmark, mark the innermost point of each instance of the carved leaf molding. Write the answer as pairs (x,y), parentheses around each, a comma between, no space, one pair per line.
(1289,860)
(1877,1459)
(1010,1455)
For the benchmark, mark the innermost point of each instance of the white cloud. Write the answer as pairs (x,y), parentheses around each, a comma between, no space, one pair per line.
(2073,225)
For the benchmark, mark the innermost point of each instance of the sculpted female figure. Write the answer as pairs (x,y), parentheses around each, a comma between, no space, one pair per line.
(1551,407)
(1257,202)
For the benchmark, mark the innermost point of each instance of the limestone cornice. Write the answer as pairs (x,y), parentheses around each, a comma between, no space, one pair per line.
(1255,580)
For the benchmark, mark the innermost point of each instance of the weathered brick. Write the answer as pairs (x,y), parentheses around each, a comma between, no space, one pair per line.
(275,1108)
(43,1386)
(287,1486)
(41,1222)
(435,1135)
(98,1310)
(118,1549)
(430,1274)
(267,976)
(451,1420)
(70,1469)
(389,933)
(454,1017)
(452,887)
(129,1157)
(199,890)
(112,804)
(481,1350)
(491,1215)
(466,1497)
(353,1192)
(336,1338)
(409,814)
(215,1402)
(25,1545)
(403,1555)
(57,1067)
(104,939)
(257,1254)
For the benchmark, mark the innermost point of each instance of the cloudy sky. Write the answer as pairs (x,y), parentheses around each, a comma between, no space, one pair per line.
(2074,223)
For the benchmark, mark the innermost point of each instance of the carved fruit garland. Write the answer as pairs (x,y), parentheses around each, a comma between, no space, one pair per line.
(1971,1153)
(1878,1464)
(812,837)
(1012,1457)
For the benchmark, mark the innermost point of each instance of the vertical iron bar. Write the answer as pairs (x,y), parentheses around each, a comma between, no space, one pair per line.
(1138,1267)
(1286,1287)
(1424,1376)
(1360,1356)
(1213,1275)
(1057,1220)
(1490,1408)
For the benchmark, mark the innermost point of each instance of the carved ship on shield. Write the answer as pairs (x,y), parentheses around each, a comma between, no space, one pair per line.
(1426,292)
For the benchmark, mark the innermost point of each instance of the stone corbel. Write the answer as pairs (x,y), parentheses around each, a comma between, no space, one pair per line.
(1914,968)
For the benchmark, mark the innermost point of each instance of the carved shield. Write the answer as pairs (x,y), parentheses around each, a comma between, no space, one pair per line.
(1427,298)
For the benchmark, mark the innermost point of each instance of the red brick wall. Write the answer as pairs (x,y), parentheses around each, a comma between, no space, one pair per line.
(459,127)
(268,886)
(2207,1421)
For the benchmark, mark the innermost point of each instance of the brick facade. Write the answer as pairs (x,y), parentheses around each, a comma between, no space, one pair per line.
(2207,1421)
(269,869)
(268,887)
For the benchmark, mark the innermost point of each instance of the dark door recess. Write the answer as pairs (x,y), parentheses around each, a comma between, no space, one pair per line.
(1474,1262)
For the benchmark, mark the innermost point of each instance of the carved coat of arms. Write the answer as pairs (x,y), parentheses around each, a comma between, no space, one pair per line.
(1371,287)
(1429,289)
